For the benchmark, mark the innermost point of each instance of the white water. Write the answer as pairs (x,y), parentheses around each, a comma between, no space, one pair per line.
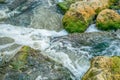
(75,59)
(29,36)
(92,28)
(39,39)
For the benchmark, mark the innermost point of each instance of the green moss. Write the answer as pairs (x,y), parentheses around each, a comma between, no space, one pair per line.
(115,68)
(114,1)
(64,6)
(73,25)
(110,25)
(20,60)
(2,1)
(114,4)
(114,7)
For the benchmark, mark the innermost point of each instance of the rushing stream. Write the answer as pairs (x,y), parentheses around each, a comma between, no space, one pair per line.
(74,51)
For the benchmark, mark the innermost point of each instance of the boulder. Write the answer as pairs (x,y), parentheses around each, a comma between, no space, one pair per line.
(108,20)
(81,13)
(104,68)
(30,64)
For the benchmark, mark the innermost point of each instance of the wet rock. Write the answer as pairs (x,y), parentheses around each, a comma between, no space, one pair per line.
(115,4)
(77,18)
(108,20)
(46,19)
(29,64)
(37,14)
(5,40)
(104,68)
(64,6)
(23,19)
(3,16)
(15,3)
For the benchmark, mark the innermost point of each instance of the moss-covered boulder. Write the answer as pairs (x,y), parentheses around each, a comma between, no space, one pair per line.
(30,64)
(81,13)
(104,68)
(108,20)
(115,4)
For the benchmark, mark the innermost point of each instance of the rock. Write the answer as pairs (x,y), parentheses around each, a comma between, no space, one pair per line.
(77,18)
(36,14)
(2,1)
(115,4)
(15,3)
(64,6)
(46,19)
(108,20)
(104,68)
(5,40)
(30,64)
(3,16)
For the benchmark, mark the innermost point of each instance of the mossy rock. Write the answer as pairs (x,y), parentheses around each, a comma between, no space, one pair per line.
(110,25)
(104,68)
(74,25)
(20,60)
(115,67)
(108,20)
(30,64)
(64,6)
(114,4)
(78,18)
(2,1)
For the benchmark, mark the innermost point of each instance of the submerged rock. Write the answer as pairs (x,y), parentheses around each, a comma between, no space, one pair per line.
(5,40)
(108,20)
(104,68)
(75,50)
(30,64)
(77,18)
(3,16)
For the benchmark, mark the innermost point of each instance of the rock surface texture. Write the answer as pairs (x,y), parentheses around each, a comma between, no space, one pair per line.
(29,64)
(108,19)
(104,68)
(81,13)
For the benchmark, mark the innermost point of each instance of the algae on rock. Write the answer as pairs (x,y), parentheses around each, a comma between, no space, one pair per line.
(81,14)
(29,64)
(104,68)
(108,20)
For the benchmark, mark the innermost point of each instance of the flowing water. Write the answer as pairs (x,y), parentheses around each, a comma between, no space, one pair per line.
(74,51)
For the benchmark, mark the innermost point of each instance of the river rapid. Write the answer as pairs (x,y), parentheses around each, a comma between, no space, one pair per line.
(38,25)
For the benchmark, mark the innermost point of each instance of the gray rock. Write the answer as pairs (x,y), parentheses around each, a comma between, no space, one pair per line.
(5,40)
(29,64)
(46,19)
